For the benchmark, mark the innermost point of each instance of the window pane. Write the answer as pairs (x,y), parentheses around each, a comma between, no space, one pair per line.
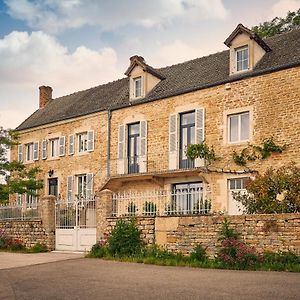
(188,118)
(232,184)
(233,128)
(245,126)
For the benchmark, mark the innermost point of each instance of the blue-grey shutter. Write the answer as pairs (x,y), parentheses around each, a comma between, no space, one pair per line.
(89,186)
(20,153)
(71,144)
(70,188)
(90,140)
(173,142)
(62,143)
(44,149)
(143,147)
(199,133)
(121,150)
(36,151)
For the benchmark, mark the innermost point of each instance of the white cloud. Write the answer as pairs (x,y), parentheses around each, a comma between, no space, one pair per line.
(280,8)
(55,16)
(173,53)
(30,60)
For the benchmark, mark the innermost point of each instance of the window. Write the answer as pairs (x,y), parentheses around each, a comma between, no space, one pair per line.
(187,198)
(242,58)
(82,142)
(187,137)
(238,127)
(137,87)
(84,186)
(54,147)
(85,142)
(29,152)
(53,187)
(133,147)
(236,185)
(31,201)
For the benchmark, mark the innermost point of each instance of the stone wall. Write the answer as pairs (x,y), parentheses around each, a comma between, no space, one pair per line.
(280,232)
(29,232)
(277,232)
(146,225)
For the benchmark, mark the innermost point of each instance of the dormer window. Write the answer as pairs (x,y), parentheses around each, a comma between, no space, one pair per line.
(137,87)
(242,58)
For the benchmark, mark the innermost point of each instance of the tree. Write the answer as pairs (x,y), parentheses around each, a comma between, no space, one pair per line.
(278,25)
(16,177)
(276,191)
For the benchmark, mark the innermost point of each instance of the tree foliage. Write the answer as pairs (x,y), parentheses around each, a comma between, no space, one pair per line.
(17,178)
(278,25)
(276,191)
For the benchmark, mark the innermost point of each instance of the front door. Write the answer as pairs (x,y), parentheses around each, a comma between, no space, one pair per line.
(133,147)
(53,186)
(187,137)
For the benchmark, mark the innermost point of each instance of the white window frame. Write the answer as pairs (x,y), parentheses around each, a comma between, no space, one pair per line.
(29,152)
(135,81)
(82,139)
(83,179)
(241,49)
(54,148)
(239,139)
(31,201)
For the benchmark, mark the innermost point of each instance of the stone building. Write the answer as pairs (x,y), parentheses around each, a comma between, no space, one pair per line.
(130,135)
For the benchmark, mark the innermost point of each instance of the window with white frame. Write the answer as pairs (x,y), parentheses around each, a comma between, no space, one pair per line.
(137,87)
(242,58)
(236,185)
(54,147)
(238,127)
(84,186)
(31,201)
(29,152)
(82,142)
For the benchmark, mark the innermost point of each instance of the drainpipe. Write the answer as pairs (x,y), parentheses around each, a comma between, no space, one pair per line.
(108,143)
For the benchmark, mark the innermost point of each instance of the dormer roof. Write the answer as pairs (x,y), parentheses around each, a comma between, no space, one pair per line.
(242,29)
(137,60)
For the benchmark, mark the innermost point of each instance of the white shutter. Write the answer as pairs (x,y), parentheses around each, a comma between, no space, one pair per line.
(121,150)
(62,143)
(44,149)
(89,186)
(199,133)
(143,147)
(20,153)
(70,188)
(71,144)
(142,86)
(173,142)
(90,140)
(36,151)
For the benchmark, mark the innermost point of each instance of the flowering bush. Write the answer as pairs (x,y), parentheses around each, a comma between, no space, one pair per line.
(237,253)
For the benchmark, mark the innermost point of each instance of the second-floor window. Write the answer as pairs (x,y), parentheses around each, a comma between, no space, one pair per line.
(85,141)
(29,152)
(133,147)
(186,137)
(54,147)
(238,127)
(137,87)
(242,58)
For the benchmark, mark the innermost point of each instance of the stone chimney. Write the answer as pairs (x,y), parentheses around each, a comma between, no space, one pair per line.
(45,95)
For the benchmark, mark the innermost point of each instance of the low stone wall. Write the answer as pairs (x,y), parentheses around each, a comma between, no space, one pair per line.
(146,225)
(277,232)
(29,232)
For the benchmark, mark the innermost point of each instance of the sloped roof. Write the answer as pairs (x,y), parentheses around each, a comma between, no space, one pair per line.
(179,79)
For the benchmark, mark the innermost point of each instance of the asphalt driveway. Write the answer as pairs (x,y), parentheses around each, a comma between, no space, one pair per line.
(98,279)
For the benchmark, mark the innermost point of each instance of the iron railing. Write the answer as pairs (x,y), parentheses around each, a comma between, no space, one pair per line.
(160,203)
(17,211)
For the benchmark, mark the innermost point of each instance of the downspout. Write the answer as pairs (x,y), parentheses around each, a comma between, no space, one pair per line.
(108,142)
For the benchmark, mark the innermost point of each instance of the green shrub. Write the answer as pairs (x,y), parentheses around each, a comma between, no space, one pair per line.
(38,247)
(199,254)
(157,252)
(98,251)
(16,245)
(125,239)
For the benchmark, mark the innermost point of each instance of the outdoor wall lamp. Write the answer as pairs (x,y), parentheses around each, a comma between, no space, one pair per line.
(50,172)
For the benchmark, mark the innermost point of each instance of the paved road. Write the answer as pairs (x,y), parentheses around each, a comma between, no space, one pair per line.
(98,279)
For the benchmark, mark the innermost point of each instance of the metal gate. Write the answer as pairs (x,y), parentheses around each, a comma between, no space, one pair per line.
(75,225)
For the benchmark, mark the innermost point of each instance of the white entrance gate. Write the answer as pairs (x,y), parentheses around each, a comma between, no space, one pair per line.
(75,225)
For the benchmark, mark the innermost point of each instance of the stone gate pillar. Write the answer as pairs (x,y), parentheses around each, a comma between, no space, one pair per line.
(48,219)
(103,211)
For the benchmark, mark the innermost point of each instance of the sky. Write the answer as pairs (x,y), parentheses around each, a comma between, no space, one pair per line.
(73,45)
